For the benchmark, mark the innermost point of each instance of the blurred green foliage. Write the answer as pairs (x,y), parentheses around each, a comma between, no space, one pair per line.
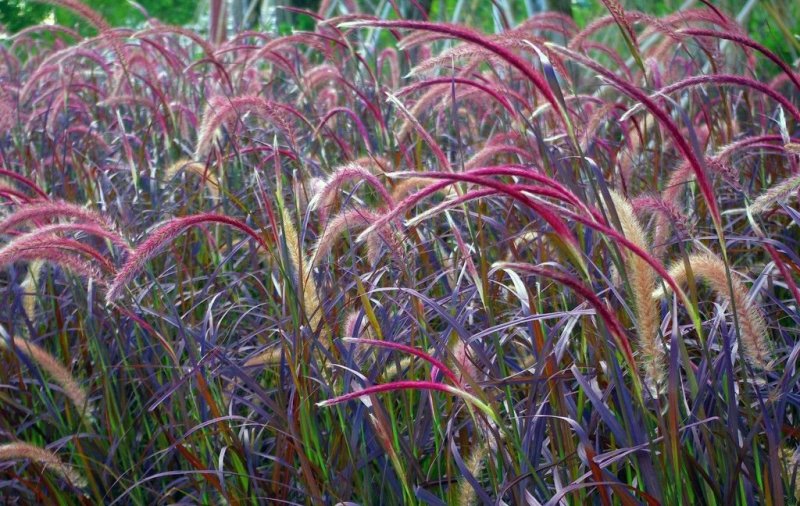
(774,23)
(17,14)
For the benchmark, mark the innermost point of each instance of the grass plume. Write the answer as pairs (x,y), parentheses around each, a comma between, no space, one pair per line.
(642,282)
(45,458)
(53,367)
(711,269)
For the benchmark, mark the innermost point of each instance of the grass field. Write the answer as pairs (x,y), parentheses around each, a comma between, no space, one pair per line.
(394,261)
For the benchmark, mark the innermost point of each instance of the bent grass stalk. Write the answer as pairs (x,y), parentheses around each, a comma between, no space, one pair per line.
(753,328)
(414,385)
(222,109)
(49,210)
(60,374)
(351,172)
(776,195)
(66,253)
(161,238)
(664,119)
(411,350)
(350,221)
(185,165)
(45,458)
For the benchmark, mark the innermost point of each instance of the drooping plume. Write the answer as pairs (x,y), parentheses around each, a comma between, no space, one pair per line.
(752,327)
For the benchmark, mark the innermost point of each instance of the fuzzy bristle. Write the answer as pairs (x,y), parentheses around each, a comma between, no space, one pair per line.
(752,326)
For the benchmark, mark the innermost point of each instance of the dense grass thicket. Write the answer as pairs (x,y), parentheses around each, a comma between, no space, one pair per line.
(400,262)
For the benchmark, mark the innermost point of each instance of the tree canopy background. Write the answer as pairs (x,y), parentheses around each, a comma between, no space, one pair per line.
(774,23)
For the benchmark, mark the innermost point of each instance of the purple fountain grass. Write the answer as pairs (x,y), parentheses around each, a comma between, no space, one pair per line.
(401,189)
(29,285)
(584,292)
(441,157)
(475,56)
(466,491)
(320,75)
(597,117)
(62,244)
(36,80)
(56,250)
(350,322)
(465,252)
(47,28)
(306,287)
(289,41)
(748,42)
(162,29)
(502,151)
(426,103)
(50,210)
(376,164)
(667,210)
(47,459)
(479,194)
(449,374)
(518,171)
(14,195)
(83,132)
(618,60)
(84,11)
(711,16)
(342,175)
(654,24)
(362,130)
(222,109)
(185,165)
(620,18)
(418,40)
(467,370)
(161,238)
(390,55)
(494,93)
(753,328)
(412,385)
(86,228)
(450,178)
(550,217)
(556,22)
(728,150)
(352,220)
(642,282)
(729,79)
(551,17)
(97,21)
(776,195)
(24,181)
(132,100)
(471,36)
(60,374)
(490,151)
(663,118)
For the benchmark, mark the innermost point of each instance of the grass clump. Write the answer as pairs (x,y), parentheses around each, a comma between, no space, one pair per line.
(388,260)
